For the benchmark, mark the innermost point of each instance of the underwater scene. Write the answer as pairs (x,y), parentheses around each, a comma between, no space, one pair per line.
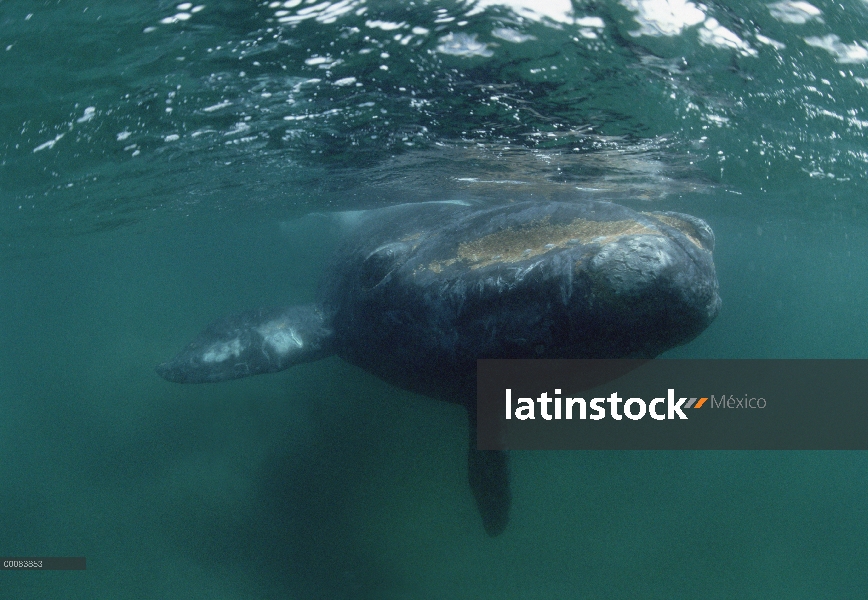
(166,164)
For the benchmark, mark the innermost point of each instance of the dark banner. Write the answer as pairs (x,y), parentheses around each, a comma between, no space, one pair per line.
(762,404)
(42,563)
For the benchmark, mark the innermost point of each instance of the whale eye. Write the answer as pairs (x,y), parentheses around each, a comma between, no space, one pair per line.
(380,263)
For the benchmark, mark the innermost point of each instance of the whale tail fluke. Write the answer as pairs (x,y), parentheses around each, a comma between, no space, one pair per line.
(266,340)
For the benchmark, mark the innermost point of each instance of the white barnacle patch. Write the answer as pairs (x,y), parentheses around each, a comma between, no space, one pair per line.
(280,337)
(632,264)
(222,351)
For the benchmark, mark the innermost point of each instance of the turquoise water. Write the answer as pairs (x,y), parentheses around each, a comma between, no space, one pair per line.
(153,157)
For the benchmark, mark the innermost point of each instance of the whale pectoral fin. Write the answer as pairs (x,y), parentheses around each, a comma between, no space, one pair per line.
(250,343)
(488,471)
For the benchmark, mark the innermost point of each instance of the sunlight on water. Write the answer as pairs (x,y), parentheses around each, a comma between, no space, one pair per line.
(308,86)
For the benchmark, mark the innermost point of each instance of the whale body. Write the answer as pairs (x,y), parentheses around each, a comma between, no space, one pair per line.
(417,293)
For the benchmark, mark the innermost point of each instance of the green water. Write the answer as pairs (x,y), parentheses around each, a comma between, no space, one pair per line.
(146,166)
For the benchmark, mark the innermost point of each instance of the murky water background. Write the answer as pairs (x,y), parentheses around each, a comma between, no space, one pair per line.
(149,153)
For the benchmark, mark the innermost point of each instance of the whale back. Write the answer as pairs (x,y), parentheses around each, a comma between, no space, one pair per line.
(418,293)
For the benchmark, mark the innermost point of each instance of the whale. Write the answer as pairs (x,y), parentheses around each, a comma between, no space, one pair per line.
(416,293)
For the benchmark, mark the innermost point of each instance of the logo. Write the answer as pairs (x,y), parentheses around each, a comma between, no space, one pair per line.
(659,409)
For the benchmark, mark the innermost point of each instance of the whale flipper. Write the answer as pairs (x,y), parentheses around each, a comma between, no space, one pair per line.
(488,472)
(266,340)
